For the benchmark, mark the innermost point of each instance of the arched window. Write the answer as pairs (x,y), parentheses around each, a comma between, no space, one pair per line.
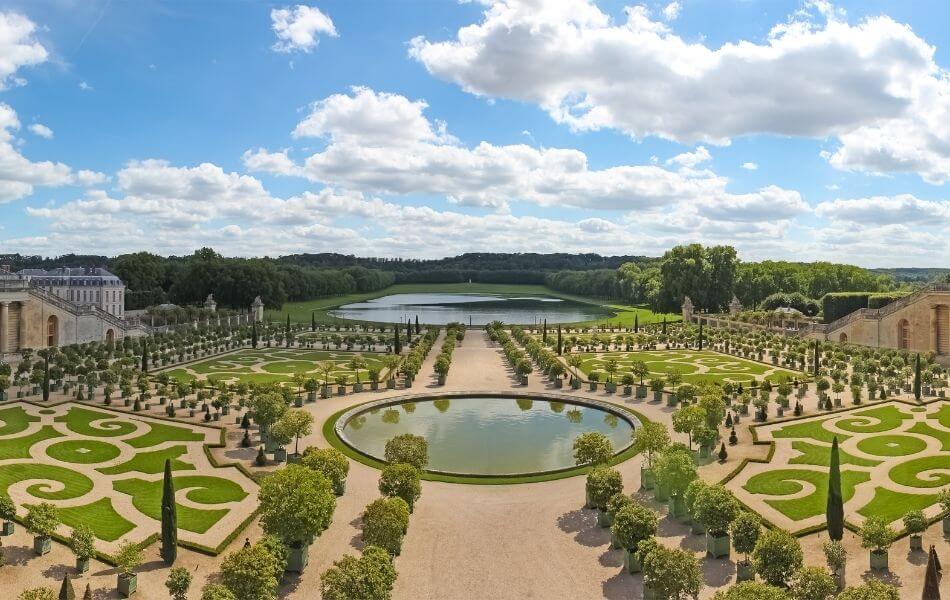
(843,338)
(110,336)
(903,334)
(52,331)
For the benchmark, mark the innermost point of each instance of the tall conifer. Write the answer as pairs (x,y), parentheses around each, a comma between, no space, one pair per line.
(169,549)
(835,508)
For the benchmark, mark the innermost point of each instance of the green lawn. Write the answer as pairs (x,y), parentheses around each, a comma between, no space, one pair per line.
(15,420)
(623,315)
(147,498)
(159,433)
(808,429)
(694,365)
(814,454)
(74,484)
(105,522)
(20,447)
(79,420)
(892,445)
(784,482)
(887,418)
(151,462)
(83,452)
(893,505)
(913,472)
(926,429)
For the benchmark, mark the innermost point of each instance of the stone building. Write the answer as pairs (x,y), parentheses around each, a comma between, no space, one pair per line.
(57,308)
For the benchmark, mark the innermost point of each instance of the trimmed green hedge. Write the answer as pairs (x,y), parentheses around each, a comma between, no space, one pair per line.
(883,299)
(838,304)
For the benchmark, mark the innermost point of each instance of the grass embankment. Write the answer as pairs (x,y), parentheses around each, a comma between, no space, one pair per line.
(622,315)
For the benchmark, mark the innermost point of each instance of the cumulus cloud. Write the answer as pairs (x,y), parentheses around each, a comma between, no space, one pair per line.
(383,143)
(887,210)
(41,130)
(299,28)
(873,85)
(672,11)
(750,166)
(18,174)
(18,48)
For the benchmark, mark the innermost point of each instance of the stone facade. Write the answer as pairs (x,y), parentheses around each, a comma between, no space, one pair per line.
(81,286)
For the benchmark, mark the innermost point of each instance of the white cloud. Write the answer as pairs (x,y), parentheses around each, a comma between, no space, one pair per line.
(85,86)
(18,47)
(904,209)
(41,130)
(873,85)
(19,174)
(750,166)
(383,143)
(672,11)
(299,28)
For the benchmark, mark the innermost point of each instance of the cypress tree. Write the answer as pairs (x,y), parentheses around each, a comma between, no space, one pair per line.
(817,359)
(145,357)
(397,345)
(636,322)
(313,321)
(559,347)
(169,550)
(664,325)
(700,334)
(408,331)
(835,507)
(88,594)
(418,329)
(544,331)
(287,331)
(931,579)
(917,378)
(254,334)
(66,591)
(46,377)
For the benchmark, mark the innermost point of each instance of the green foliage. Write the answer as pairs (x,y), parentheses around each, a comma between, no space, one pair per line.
(402,481)
(329,461)
(408,449)
(751,590)
(178,582)
(169,549)
(812,583)
(127,558)
(278,549)
(42,593)
(217,591)
(745,530)
(651,437)
(296,504)
(716,508)
(7,508)
(249,573)
(82,540)
(777,555)
(835,505)
(872,590)
(369,577)
(268,408)
(876,534)
(675,469)
(42,519)
(385,521)
(915,521)
(673,573)
(633,524)
(592,448)
(602,483)
(838,304)
(293,425)
(835,554)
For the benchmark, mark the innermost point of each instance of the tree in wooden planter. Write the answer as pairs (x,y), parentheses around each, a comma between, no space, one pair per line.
(296,505)
(616,502)
(602,483)
(592,448)
(267,409)
(874,589)
(294,424)
(689,419)
(689,501)
(812,583)
(633,524)
(408,449)
(127,559)
(403,481)
(836,557)
(369,577)
(42,520)
(250,572)
(329,461)
(916,523)
(776,557)
(715,507)
(751,590)
(877,536)
(178,582)
(82,541)
(650,438)
(745,530)
(385,521)
(675,470)
(8,514)
(671,573)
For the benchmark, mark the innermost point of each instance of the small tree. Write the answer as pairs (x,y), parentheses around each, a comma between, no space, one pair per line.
(633,524)
(777,555)
(329,461)
(249,573)
(296,505)
(672,573)
(877,535)
(675,470)
(82,541)
(812,583)
(42,519)
(652,438)
(915,522)
(127,558)
(716,508)
(872,590)
(402,481)
(602,484)
(745,530)
(217,591)
(370,577)
(7,509)
(835,555)
(295,424)
(385,521)
(178,582)
(835,505)
(169,549)
(409,449)
(592,448)
(688,419)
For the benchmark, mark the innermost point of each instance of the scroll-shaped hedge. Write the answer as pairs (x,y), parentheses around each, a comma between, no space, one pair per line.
(71,483)
(201,489)
(786,482)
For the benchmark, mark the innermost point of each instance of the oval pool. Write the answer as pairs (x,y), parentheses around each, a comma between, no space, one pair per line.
(487,435)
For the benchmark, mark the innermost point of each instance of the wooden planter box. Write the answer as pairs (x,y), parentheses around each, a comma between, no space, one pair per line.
(8,528)
(878,560)
(717,546)
(630,563)
(298,558)
(390,384)
(357,387)
(647,478)
(677,507)
(42,544)
(744,572)
(127,584)
(604,519)
(82,565)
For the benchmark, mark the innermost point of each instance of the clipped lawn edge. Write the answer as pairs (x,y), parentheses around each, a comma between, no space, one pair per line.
(329,433)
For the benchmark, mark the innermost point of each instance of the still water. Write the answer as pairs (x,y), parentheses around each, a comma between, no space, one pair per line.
(486,435)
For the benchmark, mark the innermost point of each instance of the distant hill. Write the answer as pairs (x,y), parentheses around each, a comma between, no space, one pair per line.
(912,274)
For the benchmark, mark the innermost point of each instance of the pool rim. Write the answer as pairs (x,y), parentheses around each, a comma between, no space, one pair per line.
(632,418)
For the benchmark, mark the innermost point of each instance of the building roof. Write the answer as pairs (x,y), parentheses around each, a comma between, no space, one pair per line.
(68,272)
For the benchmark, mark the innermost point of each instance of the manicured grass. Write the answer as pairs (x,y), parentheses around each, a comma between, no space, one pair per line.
(893,505)
(159,433)
(82,452)
(942,415)
(105,522)
(147,498)
(784,482)
(808,429)
(20,447)
(891,445)
(15,420)
(938,434)
(79,420)
(623,315)
(911,473)
(814,454)
(718,367)
(889,417)
(74,484)
(151,462)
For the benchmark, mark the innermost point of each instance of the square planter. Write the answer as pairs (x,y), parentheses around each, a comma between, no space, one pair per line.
(441,379)
(744,572)
(298,401)
(82,565)
(604,519)
(697,528)
(127,584)
(280,455)
(340,390)
(8,527)
(575,384)
(298,558)
(647,478)
(588,503)
(878,560)
(390,384)
(660,493)
(677,507)
(294,459)
(42,544)
(311,396)
(225,410)
(325,391)
(916,542)
(524,380)
(628,390)
(946,524)
(593,386)
(611,387)
(648,592)
(630,562)
(559,383)
(717,546)
(641,391)
(357,387)
(374,386)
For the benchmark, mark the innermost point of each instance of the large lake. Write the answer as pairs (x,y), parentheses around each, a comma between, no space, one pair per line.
(474,309)
(488,435)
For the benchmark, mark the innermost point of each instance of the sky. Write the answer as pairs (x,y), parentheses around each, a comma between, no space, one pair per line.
(799,130)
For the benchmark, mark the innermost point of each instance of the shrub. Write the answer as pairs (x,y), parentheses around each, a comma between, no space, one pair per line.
(369,577)
(716,508)
(385,521)
(216,591)
(692,490)
(602,483)
(42,519)
(296,504)
(279,551)
(835,554)
(127,558)
(42,593)
(408,449)
(915,521)
(745,530)
(178,582)
(7,509)
(872,590)
(751,590)
(633,524)
(876,534)
(329,461)
(835,305)
(675,469)
(777,555)
(592,448)
(83,541)
(402,481)
(673,573)
(617,502)
(249,573)
(812,583)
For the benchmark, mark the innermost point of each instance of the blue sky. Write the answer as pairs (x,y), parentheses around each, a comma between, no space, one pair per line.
(799,130)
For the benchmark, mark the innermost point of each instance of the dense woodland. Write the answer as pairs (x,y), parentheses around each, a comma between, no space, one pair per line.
(710,276)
